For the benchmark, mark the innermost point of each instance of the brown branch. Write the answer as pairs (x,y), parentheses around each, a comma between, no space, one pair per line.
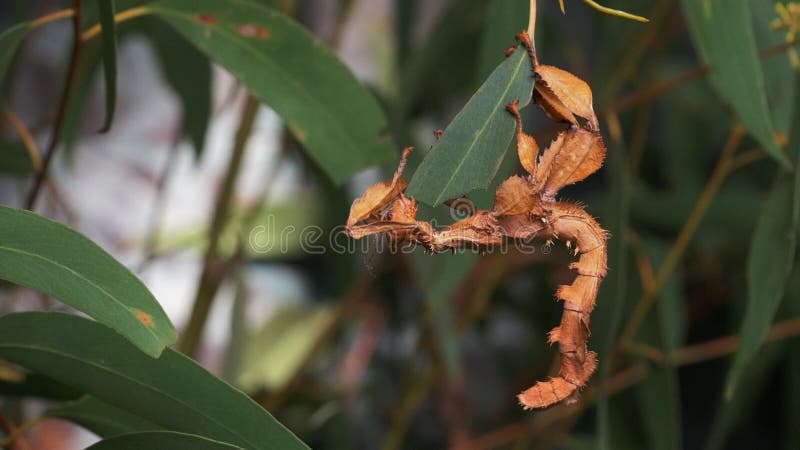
(622,380)
(214,269)
(649,93)
(72,72)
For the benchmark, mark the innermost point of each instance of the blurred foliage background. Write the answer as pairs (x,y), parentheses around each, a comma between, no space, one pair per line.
(696,323)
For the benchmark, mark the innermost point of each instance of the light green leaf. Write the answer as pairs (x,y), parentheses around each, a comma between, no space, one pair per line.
(100,418)
(105,9)
(161,440)
(273,355)
(335,118)
(769,264)
(9,41)
(172,391)
(47,256)
(472,148)
(723,34)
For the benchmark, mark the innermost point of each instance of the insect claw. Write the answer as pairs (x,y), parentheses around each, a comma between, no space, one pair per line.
(569,244)
(577,250)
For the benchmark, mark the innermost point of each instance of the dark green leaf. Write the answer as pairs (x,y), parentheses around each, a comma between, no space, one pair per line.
(100,418)
(51,258)
(35,385)
(472,148)
(15,159)
(770,261)
(659,393)
(732,412)
(451,43)
(107,24)
(172,391)
(188,71)
(791,412)
(9,41)
(723,34)
(778,73)
(161,440)
(504,19)
(335,118)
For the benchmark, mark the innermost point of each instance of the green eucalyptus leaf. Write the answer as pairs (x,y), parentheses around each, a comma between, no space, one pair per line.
(100,418)
(172,391)
(47,256)
(161,440)
(330,113)
(470,151)
(723,34)
(769,264)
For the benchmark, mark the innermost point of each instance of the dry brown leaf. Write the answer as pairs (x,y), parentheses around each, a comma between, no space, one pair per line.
(379,196)
(568,90)
(515,196)
(579,155)
(527,148)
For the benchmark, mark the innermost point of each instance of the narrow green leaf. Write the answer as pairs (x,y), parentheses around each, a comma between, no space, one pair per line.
(778,73)
(188,72)
(9,41)
(35,385)
(47,256)
(791,413)
(335,118)
(504,19)
(106,11)
(733,412)
(723,34)
(659,394)
(160,440)
(100,418)
(472,148)
(452,43)
(770,261)
(612,296)
(172,391)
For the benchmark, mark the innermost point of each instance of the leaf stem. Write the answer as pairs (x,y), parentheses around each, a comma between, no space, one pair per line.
(213,272)
(72,71)
(532,20)
(121,16)
(27,139)
(61,14)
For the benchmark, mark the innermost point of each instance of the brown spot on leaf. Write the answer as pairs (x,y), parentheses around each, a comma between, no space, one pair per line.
(250,30)
(206,18)
(143,317)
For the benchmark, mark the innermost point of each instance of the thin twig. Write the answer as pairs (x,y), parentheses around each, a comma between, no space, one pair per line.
(72,71)
(27,139)
(677,250)
(213,271)
(649,93)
